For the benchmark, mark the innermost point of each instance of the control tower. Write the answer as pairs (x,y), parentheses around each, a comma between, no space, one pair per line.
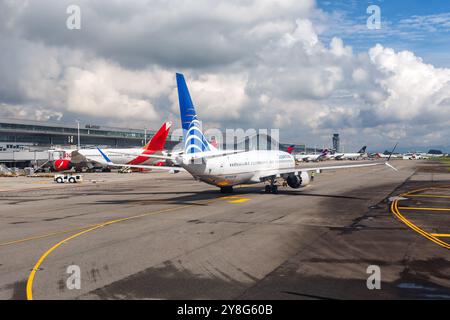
(336,142)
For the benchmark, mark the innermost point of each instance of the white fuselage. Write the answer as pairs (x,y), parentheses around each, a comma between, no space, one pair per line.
(309,157)
(239,168)
(348,156)
(119,156)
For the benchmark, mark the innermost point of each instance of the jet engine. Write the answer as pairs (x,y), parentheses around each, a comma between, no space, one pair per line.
(62,165)
(296,182)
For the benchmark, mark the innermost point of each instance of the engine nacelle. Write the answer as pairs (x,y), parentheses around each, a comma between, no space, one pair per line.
(296,182)
(62,164)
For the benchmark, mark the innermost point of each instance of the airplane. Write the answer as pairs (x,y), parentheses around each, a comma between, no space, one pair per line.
(379,155)
(415,156)
(125,156)
(92,158)
(312,157)
(350,156)
(228,168)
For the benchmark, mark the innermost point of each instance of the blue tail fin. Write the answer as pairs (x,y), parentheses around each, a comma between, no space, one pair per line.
(193,138)
(108,160)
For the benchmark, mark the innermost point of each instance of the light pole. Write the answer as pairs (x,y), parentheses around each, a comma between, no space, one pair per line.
(145,135)
(78,130)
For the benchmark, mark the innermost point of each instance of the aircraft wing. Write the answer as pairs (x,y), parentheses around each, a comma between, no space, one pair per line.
(202,155)
(160,168)
(143,166)
(79,158)
(138,154)
(213,154)
(284,173)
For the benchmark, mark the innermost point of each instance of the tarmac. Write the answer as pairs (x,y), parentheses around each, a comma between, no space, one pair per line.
(166,236)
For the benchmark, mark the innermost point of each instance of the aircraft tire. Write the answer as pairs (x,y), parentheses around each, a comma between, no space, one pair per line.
(226,190)
(275,189)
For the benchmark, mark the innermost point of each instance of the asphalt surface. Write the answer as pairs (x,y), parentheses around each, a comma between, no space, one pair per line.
(162,236)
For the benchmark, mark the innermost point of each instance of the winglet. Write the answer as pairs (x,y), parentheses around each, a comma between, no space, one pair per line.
(392,152)
(391,166)
(108,160)
(389,158)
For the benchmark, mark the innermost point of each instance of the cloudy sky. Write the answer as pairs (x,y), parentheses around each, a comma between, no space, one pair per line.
(309,68)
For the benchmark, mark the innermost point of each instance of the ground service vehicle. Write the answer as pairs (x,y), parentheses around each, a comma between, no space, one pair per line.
(70,178)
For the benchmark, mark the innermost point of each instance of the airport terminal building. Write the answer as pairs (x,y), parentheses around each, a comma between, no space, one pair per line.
(49,135)
(25,142)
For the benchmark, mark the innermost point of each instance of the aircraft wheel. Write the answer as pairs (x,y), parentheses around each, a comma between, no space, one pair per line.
(226,189)
(274,189)
(267,189)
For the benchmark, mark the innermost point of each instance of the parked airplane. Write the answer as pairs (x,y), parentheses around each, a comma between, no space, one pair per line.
(131,156)
(312,157)
(351,156)
(226,169)
(415,156)
(65,160)
(384,156)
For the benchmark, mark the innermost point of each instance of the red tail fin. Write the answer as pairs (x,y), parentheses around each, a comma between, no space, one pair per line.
(159,139)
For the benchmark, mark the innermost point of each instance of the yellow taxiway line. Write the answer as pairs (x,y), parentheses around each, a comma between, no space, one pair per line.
(42,258)
(430,236)
(427,196)
(44,235)
(441,235)
(29,288)
(241,200)
(236,199)
(233,199)
(424,209)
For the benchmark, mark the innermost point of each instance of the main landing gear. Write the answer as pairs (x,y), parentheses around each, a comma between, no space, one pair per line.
(271,188)
(226,189)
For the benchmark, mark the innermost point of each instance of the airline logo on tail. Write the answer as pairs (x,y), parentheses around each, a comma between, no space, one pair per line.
(194,140)
(363,150)
(159,139)
(155,144)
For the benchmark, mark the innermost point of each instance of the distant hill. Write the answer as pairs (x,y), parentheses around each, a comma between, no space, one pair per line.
(404,149)
(435,151)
